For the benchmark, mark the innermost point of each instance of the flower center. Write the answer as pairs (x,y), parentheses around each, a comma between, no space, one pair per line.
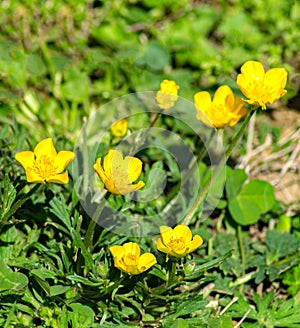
(177,244)
(130,259)
(44,167)
(260,92)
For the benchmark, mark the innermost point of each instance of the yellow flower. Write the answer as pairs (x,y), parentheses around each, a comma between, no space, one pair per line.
(178,241)
(118,174)
(119,128)
(127,258)
(224,110)
(261,88)
(44,164)
(167,95)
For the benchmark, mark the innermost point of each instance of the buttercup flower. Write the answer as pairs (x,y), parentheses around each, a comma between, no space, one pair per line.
(224,110)
(127,258)
(119,173)
(44,164)
(167,95)
(261,88)
(119,128)
(178,241)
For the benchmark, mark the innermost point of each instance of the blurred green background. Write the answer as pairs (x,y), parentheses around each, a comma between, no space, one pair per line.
(72,56)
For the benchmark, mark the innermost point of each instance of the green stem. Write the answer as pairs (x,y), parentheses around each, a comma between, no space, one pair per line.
(218,169)
(19,203)
(199,158)
(172,276)
(88,239)
(143,137)
(241,246)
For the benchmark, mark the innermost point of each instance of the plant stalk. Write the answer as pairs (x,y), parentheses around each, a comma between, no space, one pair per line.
(218,169)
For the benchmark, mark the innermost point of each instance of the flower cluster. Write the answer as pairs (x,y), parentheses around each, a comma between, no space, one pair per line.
(226,110)
(119,174)
(177,242)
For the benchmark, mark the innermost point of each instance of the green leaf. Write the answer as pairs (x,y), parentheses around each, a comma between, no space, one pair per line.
(58,290)
(76,88)
(254,199)
(234,182)
(60,209)
(193,304)
(199,269)
(180,323)
(280,245)
(155,57)
(36,65)
(82,316)
(11,281)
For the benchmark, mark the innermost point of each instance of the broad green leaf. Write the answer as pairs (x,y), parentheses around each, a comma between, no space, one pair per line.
(36,65)
(76,88)
(9,280)
(82,316)
(58,289)
(254,199)
(234,181)
(180,323)
(43,273)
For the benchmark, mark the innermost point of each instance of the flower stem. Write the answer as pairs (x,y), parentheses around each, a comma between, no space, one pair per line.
(199,158)
(88,239)
(218,169)
(172,275)
(144,135)
(18,204)
(241,246)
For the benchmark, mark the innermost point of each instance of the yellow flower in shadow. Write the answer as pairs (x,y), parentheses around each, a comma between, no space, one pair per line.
(167,95)
(224,110)
(178,242)
(119,173)
(119,128)
(127,258)
(261,88)
(44,164)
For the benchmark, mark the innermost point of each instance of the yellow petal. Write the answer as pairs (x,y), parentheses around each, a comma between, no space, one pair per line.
(45,147)
(134,167)
(243,84)
(202,101)
(25,158)
(182,231)
(146,261)
(32,177)
(195,243)
(253,70)
(275,79)
(166,234)
(62,178)
(132,248)
(221,94)
(117,251)
(109,159)
(62,159)
(99,170)
(119,128)
(161,247)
